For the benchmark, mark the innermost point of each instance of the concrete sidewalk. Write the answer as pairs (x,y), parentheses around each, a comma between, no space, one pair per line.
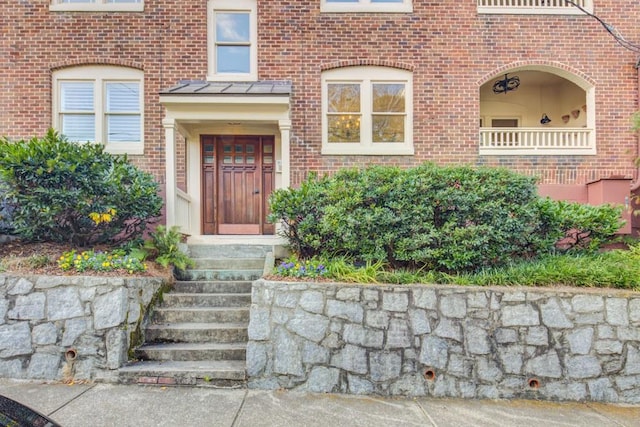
(118,405)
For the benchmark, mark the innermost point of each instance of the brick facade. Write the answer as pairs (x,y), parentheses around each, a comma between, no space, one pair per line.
(451,49)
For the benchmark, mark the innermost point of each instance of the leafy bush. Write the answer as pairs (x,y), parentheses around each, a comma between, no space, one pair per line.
(164,247)
(6,211)
(75,193)
(579,226)
(446,219)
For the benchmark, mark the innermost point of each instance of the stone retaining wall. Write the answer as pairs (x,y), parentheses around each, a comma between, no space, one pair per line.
(46,320)
(468,342)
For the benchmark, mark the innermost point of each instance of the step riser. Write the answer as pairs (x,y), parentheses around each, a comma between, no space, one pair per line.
(187,316)
(229,251)
(213,287)
(191,355)
(227,275)
(213,378)
(229,263)
(196,336)
(206,300)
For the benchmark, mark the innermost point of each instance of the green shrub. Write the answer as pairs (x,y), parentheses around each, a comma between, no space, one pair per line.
(446,219)
(75,193)
(578,226)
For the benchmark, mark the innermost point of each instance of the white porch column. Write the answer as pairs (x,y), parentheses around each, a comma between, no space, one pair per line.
(170,170)
(285,128)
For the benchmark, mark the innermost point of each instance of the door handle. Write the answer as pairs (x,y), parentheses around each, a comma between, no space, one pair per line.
(256,191)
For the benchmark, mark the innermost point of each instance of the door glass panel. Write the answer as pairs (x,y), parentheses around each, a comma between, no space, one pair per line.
(208,147)
(227,160)
(268,160)
(238,148)
(239,159)
(268,149)
(250,149)
(251,160)
(227,148)
(209,160)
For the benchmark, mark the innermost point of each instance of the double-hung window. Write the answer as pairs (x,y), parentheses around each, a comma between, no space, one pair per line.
(97,5)
(100,104)
(232,40)
(389,6)
(367,111)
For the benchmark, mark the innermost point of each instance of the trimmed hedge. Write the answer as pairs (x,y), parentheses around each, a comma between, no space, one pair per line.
(452,218)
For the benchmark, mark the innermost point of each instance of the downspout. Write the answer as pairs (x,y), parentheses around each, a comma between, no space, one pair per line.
(636,185)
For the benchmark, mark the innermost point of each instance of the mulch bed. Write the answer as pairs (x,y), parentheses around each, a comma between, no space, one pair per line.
(18,257)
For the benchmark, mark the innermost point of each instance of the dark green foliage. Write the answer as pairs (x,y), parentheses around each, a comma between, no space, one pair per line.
(75,193)
(578,226)
(446,219)
(6,212)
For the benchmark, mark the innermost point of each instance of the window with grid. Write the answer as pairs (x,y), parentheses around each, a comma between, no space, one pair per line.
(367,110)
(100,104)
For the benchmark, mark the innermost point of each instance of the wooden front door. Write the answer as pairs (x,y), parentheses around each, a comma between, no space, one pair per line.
(237,177)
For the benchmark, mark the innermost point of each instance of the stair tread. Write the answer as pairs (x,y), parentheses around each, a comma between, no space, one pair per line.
(206,294)
(199,309)
(198,325)
(181,366)
(194,346)
(234,282)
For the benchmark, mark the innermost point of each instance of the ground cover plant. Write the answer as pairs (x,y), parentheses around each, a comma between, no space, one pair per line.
(451,224)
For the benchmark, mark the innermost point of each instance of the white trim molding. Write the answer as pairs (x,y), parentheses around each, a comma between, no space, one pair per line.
(403,6)
(96,6)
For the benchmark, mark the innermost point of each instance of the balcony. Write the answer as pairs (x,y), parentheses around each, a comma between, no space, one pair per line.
(536,141)
(534,7)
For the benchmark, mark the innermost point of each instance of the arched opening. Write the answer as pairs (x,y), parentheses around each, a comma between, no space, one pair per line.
(541,111)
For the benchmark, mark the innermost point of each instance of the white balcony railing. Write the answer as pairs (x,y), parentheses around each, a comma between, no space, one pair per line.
(534,7)
(183,211)
(536,141)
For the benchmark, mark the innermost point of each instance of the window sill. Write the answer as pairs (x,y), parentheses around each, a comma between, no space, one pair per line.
(97,7)
(404,149)
(370,8)
(133,149)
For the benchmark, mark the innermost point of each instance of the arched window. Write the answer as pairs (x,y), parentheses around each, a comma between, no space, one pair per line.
(100,104)
(367,111)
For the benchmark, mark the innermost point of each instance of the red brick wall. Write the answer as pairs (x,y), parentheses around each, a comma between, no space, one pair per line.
(450,48)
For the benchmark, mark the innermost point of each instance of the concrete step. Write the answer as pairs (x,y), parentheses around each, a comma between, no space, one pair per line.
(196,332)
(229,251)
(229,263)
(213,287)
(183,300)
(228,373)
(201,315)
(181,352)
(215,275)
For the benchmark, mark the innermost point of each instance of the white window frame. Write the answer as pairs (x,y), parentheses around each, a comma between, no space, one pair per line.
(366,76)
(550,7)
(248,6)
(99,76)
(367,6)
(96,6)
